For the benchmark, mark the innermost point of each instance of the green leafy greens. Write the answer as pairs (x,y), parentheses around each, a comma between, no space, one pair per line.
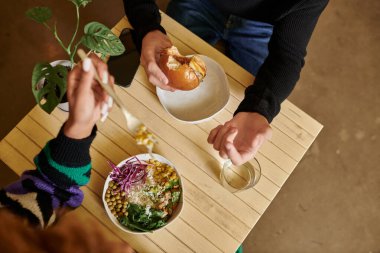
(175,196)
(139,219)
(172,183)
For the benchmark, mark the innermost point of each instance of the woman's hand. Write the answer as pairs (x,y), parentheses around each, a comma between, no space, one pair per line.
(86,97)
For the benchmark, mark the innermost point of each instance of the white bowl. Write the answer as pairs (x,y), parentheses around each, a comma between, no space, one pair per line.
(175,213)
(200,104)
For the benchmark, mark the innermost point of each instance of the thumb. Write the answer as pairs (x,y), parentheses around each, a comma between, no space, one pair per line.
(233,154)
(167,43)
(268,133)
(156,72)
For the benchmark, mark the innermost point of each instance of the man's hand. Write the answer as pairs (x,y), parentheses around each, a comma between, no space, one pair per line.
(240,138)
(86,97)
(152,45)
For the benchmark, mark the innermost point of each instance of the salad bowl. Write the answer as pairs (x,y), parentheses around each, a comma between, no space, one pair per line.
(146,207)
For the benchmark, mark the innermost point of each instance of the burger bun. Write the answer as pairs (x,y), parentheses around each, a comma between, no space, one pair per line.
(183,73)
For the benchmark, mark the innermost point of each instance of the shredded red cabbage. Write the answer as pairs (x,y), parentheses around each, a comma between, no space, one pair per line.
(133,171)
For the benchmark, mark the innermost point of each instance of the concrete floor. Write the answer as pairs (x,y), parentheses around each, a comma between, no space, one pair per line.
(331,201)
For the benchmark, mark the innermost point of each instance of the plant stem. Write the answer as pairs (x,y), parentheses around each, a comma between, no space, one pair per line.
(73,53)
(75,34)
(57,37)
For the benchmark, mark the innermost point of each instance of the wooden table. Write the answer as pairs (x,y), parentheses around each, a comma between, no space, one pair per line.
(213,219)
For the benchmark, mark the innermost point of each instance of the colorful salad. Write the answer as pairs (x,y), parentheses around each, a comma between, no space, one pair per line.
(142,195)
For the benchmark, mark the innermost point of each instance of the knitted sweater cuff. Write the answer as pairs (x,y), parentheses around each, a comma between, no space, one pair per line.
(260,100)
(71,152)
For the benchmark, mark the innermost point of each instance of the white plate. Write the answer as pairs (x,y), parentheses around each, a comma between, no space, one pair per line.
(203,102)
(176,212)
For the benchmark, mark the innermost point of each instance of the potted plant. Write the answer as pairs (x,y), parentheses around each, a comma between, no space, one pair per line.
(49,79)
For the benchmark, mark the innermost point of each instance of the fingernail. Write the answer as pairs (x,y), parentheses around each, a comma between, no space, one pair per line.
(164,80)
(105,77)
(110,102)
(86,64)
(104,117)
(104,109)
(104,112)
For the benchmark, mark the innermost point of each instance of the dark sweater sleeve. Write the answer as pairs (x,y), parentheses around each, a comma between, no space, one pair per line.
(281,70)
(144,17)
(62,166)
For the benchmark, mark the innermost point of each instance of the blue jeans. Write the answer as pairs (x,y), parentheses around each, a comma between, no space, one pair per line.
(246,40)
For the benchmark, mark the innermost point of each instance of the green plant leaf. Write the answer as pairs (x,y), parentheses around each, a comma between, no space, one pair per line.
(82,3)
(99,38)
(48,85)
(39,14)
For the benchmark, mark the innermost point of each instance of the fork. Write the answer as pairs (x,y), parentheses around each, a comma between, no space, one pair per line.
(133,123)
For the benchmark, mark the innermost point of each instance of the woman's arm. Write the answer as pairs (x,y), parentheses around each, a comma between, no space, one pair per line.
(64,164)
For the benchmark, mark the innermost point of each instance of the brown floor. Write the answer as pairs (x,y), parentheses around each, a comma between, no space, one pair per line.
(331,202)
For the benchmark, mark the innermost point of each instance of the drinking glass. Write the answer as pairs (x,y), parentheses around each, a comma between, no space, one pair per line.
(238,178)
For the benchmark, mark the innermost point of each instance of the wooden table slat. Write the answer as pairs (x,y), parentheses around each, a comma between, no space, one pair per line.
(10,156)
(190,236)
